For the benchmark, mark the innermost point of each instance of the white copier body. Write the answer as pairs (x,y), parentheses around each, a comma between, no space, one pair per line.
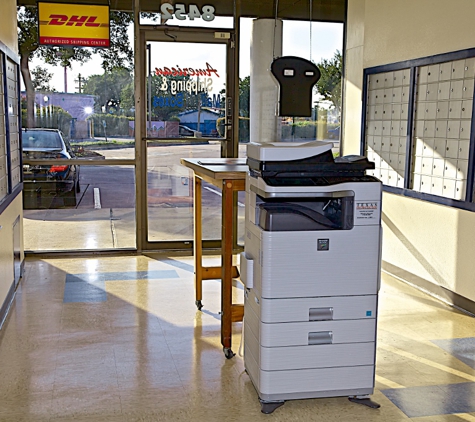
(311,293)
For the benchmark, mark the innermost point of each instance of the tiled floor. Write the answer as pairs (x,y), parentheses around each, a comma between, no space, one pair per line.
(120,339)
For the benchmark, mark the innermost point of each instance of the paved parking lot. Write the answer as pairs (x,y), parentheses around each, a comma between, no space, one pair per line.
(104,217)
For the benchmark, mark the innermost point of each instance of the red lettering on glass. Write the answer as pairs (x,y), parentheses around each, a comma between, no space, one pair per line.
(187,71)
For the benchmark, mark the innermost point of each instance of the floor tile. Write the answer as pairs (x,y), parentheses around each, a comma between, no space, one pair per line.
(462,348)
(434,400)
(148,401)
(82,291)
(85,402)
(90,418)
(26,406)
(457,417)
(85,375)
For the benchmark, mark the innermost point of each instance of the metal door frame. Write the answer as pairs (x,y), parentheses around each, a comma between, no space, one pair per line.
(229,145)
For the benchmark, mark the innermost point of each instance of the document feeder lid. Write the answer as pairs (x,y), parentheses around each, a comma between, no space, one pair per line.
(302,159)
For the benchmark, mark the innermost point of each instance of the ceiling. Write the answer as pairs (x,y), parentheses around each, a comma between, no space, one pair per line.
(322,10)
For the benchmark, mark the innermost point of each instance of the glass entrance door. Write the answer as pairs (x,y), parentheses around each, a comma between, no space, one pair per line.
(186,88)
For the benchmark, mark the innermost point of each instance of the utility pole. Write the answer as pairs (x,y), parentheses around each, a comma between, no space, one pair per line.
(65,79)
(80,80)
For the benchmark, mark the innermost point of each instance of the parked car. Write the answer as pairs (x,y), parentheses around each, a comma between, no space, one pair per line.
(54,180)
(334,133)
(186,131)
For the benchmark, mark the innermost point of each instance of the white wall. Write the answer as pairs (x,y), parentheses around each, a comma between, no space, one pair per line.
(7,218)
(432,242)
(8,36)
(8,28)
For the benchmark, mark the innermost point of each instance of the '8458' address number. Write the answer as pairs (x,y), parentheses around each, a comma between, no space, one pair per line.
(168,10)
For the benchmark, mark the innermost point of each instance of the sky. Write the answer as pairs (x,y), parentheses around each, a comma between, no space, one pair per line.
(326,39)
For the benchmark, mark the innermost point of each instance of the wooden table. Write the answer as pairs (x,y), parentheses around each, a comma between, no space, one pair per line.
(228,174)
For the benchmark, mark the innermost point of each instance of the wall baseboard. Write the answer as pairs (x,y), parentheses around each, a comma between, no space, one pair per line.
(6,304)
(439,292)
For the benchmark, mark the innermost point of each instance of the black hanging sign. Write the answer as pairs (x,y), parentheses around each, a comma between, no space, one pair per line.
(296,77)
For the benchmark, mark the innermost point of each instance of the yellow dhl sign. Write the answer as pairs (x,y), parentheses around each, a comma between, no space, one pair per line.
(73,25)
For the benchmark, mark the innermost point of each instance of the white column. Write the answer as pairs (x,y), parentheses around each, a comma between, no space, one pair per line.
(266,44)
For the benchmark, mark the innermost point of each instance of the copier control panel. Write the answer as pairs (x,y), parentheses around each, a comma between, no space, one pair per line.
(316,181)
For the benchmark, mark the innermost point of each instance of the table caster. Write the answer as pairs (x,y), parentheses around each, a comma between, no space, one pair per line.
(269,406)
(228,353)
(198,304)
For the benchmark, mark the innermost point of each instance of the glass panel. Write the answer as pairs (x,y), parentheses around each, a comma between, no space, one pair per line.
(79,105)
(100,214)
(98,117)
(325,51)
(170,193)
(86,93)
(185,100)
(321,43)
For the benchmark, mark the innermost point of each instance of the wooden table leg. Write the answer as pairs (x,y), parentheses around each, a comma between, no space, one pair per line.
(197,243)
(227,266)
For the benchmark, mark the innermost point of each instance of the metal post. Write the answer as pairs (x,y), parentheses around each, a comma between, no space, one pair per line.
(140,144)
(199,104)
(237,27)
(149,79)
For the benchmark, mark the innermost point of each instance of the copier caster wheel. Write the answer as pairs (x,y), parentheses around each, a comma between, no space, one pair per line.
(269,406)
(366,401)
(228,353)
(198,304)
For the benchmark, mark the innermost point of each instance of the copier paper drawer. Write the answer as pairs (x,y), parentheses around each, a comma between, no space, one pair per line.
(315,382)
(310,333)
(306,357)
(312,308)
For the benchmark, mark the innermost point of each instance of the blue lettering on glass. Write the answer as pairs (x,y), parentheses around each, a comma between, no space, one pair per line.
(170,101)
(214,102)
(205,101)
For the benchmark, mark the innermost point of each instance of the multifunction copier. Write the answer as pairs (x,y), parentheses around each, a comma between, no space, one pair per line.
(311,268)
